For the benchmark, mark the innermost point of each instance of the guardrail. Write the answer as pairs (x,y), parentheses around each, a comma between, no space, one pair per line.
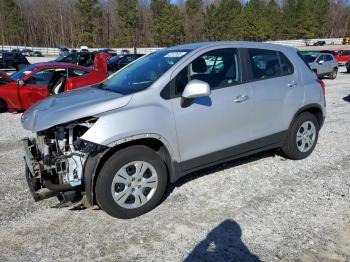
(47,51)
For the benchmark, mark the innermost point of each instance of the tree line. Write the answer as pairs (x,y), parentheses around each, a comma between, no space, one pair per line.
(144,23)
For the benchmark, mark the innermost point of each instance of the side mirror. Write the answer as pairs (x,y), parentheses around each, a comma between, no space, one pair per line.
(193,89)
(20,82)
(321,62)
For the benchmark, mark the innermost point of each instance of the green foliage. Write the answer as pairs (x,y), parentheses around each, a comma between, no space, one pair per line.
(223,21)
(88,26)
(255,21)
(167,26)
(194,20)
(130,22)
(11,22)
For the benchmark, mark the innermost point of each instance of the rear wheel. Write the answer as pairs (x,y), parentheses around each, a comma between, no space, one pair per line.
(302,137)
(131,183)
(333,74)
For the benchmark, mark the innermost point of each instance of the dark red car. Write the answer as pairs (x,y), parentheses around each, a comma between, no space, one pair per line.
(38,81)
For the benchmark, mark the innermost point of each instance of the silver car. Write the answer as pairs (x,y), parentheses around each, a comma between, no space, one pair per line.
(167,114)
(322,64)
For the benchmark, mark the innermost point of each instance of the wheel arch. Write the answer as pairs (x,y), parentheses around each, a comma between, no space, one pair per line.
(314,109)
(95,162)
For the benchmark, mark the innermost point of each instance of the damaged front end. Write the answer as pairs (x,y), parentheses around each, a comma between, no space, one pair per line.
(55,161)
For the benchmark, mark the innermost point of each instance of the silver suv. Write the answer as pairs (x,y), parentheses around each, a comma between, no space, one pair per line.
(120,143)
(322,64)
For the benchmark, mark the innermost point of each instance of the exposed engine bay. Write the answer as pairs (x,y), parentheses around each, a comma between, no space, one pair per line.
(56,158)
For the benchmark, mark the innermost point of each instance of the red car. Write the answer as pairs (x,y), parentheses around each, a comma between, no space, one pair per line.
(38,81)
(343,56)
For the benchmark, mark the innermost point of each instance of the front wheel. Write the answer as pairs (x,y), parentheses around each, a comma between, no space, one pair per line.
(131,183)
(302,137)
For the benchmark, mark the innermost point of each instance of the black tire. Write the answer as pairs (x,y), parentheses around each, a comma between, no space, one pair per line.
(334,74)
(116,162)
(348,70)
(290,148)
(3,106)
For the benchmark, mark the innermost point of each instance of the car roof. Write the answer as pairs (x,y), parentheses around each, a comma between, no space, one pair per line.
(239,44)
(60,65)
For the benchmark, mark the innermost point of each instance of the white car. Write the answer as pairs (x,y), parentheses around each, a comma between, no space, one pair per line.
(322,64)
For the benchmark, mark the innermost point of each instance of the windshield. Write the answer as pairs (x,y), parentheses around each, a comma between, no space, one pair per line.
(114,59)
(65,58)
(22,73)
(310,58)
(144,72)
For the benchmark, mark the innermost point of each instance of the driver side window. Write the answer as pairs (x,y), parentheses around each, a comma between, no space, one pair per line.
(219,68)
(41,78)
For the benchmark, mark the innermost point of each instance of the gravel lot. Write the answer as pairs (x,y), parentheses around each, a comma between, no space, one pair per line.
(260,208)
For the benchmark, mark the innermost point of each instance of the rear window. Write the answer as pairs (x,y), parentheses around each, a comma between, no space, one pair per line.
(309,58)
(303,59)
(269,63)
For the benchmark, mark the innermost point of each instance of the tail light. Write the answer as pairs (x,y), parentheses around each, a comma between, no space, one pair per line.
(323,85)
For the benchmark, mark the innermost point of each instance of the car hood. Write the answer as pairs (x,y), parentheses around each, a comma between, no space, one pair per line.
(70,106)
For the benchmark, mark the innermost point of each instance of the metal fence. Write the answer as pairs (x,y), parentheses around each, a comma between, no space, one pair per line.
(146,50)
(48,51)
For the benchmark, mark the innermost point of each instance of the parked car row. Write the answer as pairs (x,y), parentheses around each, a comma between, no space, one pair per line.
(167,114)
(12,60)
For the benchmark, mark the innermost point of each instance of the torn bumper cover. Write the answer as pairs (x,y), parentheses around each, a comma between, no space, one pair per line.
(55,161)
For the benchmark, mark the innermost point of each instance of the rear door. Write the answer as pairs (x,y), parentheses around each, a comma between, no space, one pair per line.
(278,92)
(35,87)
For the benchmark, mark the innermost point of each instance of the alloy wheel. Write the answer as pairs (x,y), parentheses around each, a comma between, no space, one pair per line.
(306,136)
(134,184)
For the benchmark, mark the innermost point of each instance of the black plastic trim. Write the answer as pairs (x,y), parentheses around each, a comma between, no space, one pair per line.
(235,152)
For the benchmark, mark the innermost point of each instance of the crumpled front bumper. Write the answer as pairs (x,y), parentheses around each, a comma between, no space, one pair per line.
(31,167)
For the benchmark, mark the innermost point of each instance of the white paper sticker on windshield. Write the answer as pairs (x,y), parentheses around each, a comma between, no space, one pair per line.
(175,54)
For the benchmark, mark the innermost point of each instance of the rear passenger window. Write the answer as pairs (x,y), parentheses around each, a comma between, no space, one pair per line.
(219,68)
(329,58)
(268,64)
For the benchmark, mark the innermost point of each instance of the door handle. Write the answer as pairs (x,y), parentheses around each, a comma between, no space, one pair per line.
(292,84)
(241,98)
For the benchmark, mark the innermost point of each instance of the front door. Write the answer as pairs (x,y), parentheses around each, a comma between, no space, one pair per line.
(210,127)
(35,88)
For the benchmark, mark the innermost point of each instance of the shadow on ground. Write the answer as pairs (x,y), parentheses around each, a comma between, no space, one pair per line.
(223,243)
(347,98)
(217,168)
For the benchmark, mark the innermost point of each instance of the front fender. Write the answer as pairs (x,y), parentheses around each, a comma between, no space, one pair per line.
(132,123)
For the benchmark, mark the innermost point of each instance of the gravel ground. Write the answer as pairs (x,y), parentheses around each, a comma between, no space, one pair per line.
(260,208)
